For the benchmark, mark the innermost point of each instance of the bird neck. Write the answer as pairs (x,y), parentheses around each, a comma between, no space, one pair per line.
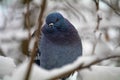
(63,38)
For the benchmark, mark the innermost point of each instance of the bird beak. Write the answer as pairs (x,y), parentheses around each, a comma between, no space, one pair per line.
(51,24)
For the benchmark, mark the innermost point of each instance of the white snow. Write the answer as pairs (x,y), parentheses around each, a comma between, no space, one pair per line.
(100,73)
(92,73)
(41,74)
(7,65)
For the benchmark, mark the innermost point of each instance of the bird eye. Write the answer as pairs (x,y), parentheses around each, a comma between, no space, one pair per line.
(57,19)
(51,24)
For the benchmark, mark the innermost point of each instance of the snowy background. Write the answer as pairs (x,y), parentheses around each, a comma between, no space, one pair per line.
(83,15)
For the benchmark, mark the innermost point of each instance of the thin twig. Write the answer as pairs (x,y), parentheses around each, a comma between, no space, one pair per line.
(27,22)
(94,46)
(97,4)
(98,17)
(37,35)
(28,19)
(81,66)
(97,26)
(115,10)
(98,22)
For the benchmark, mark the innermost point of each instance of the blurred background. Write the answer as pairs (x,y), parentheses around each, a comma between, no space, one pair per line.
(98,24)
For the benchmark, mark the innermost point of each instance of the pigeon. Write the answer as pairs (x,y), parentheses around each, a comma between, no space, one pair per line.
(60,43)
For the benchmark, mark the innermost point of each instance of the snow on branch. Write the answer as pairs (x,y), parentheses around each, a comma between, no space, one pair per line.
(83,63)
(38,73)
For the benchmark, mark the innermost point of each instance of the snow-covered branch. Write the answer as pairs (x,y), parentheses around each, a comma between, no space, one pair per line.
(38,73)
(84,64)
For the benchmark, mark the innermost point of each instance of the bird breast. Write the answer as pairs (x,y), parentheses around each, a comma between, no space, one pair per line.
(54,55)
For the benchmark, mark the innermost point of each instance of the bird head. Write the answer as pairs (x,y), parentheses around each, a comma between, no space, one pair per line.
(58,29)
(54,23)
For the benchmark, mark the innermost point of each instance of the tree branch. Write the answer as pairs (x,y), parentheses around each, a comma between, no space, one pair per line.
(114,9)
(28,19)
(98,23)
(82,66)
(27,23)
(37,35)
(94,45)
(98,17)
